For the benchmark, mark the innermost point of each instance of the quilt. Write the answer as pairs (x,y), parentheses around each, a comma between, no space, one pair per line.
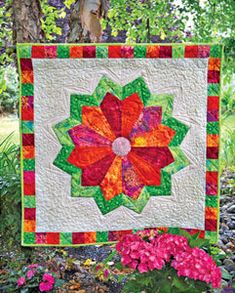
(118,138)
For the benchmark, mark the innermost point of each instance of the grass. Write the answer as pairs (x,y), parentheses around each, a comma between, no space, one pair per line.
(9,124)
(228,142)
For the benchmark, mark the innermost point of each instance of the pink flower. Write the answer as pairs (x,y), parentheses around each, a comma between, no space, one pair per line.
(137,253)
(21,281)
(48,278)
(147,250)
(106,273)
(143,268)
(169,245)
(196,264)
(98,267)
(133,264)
(30,274)
(45,286)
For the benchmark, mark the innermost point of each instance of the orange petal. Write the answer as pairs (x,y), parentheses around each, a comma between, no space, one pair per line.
(94,118)
(85,156)
(158,137)
(112,182)
(146,172)
(132,107)
(111,107)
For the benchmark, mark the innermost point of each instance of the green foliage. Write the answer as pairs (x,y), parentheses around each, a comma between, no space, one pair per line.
(6,36)
(32,282)
(8,89)
(68,3)
(228,142)
(10,191)
(48,21)
(163,281)
(213,21)
(144,19)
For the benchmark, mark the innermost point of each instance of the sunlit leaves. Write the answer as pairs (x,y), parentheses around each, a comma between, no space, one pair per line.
(142,20)
(10,189)
(48,21)
(68,3)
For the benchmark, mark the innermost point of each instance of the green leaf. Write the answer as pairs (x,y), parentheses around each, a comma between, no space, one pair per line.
(62,14)
(119,265)
(110,257)
(199,242)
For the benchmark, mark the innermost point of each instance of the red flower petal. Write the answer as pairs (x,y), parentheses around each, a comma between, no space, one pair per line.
(112,182)
(95,173)
(132,107)
(84,136)
(84,156)
(111,107)
(94,118)
(159,157)
(146,171)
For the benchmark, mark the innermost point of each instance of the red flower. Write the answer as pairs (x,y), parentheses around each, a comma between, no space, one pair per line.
(121,146)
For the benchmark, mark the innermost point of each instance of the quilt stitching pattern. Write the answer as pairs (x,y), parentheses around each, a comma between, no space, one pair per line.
(67,132)
(125,149)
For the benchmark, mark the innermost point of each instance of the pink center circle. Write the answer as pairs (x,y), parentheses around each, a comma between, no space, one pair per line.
(121,146)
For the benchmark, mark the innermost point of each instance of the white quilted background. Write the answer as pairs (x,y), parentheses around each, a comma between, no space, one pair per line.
(55,80)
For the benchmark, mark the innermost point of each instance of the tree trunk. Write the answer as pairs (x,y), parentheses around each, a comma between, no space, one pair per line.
(26,21)
(76,31)
(84,22)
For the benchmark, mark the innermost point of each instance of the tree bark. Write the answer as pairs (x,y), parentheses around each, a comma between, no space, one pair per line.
(76,31)
(84,22)
(26,21)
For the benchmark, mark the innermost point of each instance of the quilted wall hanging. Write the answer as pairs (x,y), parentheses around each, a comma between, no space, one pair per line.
(118,138)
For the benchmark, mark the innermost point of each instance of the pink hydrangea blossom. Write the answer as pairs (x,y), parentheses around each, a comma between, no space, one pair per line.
(48,278)
(45,286)
(170,245)
(147,250)
(30,273)
(137,253)
(21,281)
(196,264)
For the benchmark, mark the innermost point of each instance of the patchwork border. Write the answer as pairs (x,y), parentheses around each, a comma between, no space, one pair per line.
(25,54)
